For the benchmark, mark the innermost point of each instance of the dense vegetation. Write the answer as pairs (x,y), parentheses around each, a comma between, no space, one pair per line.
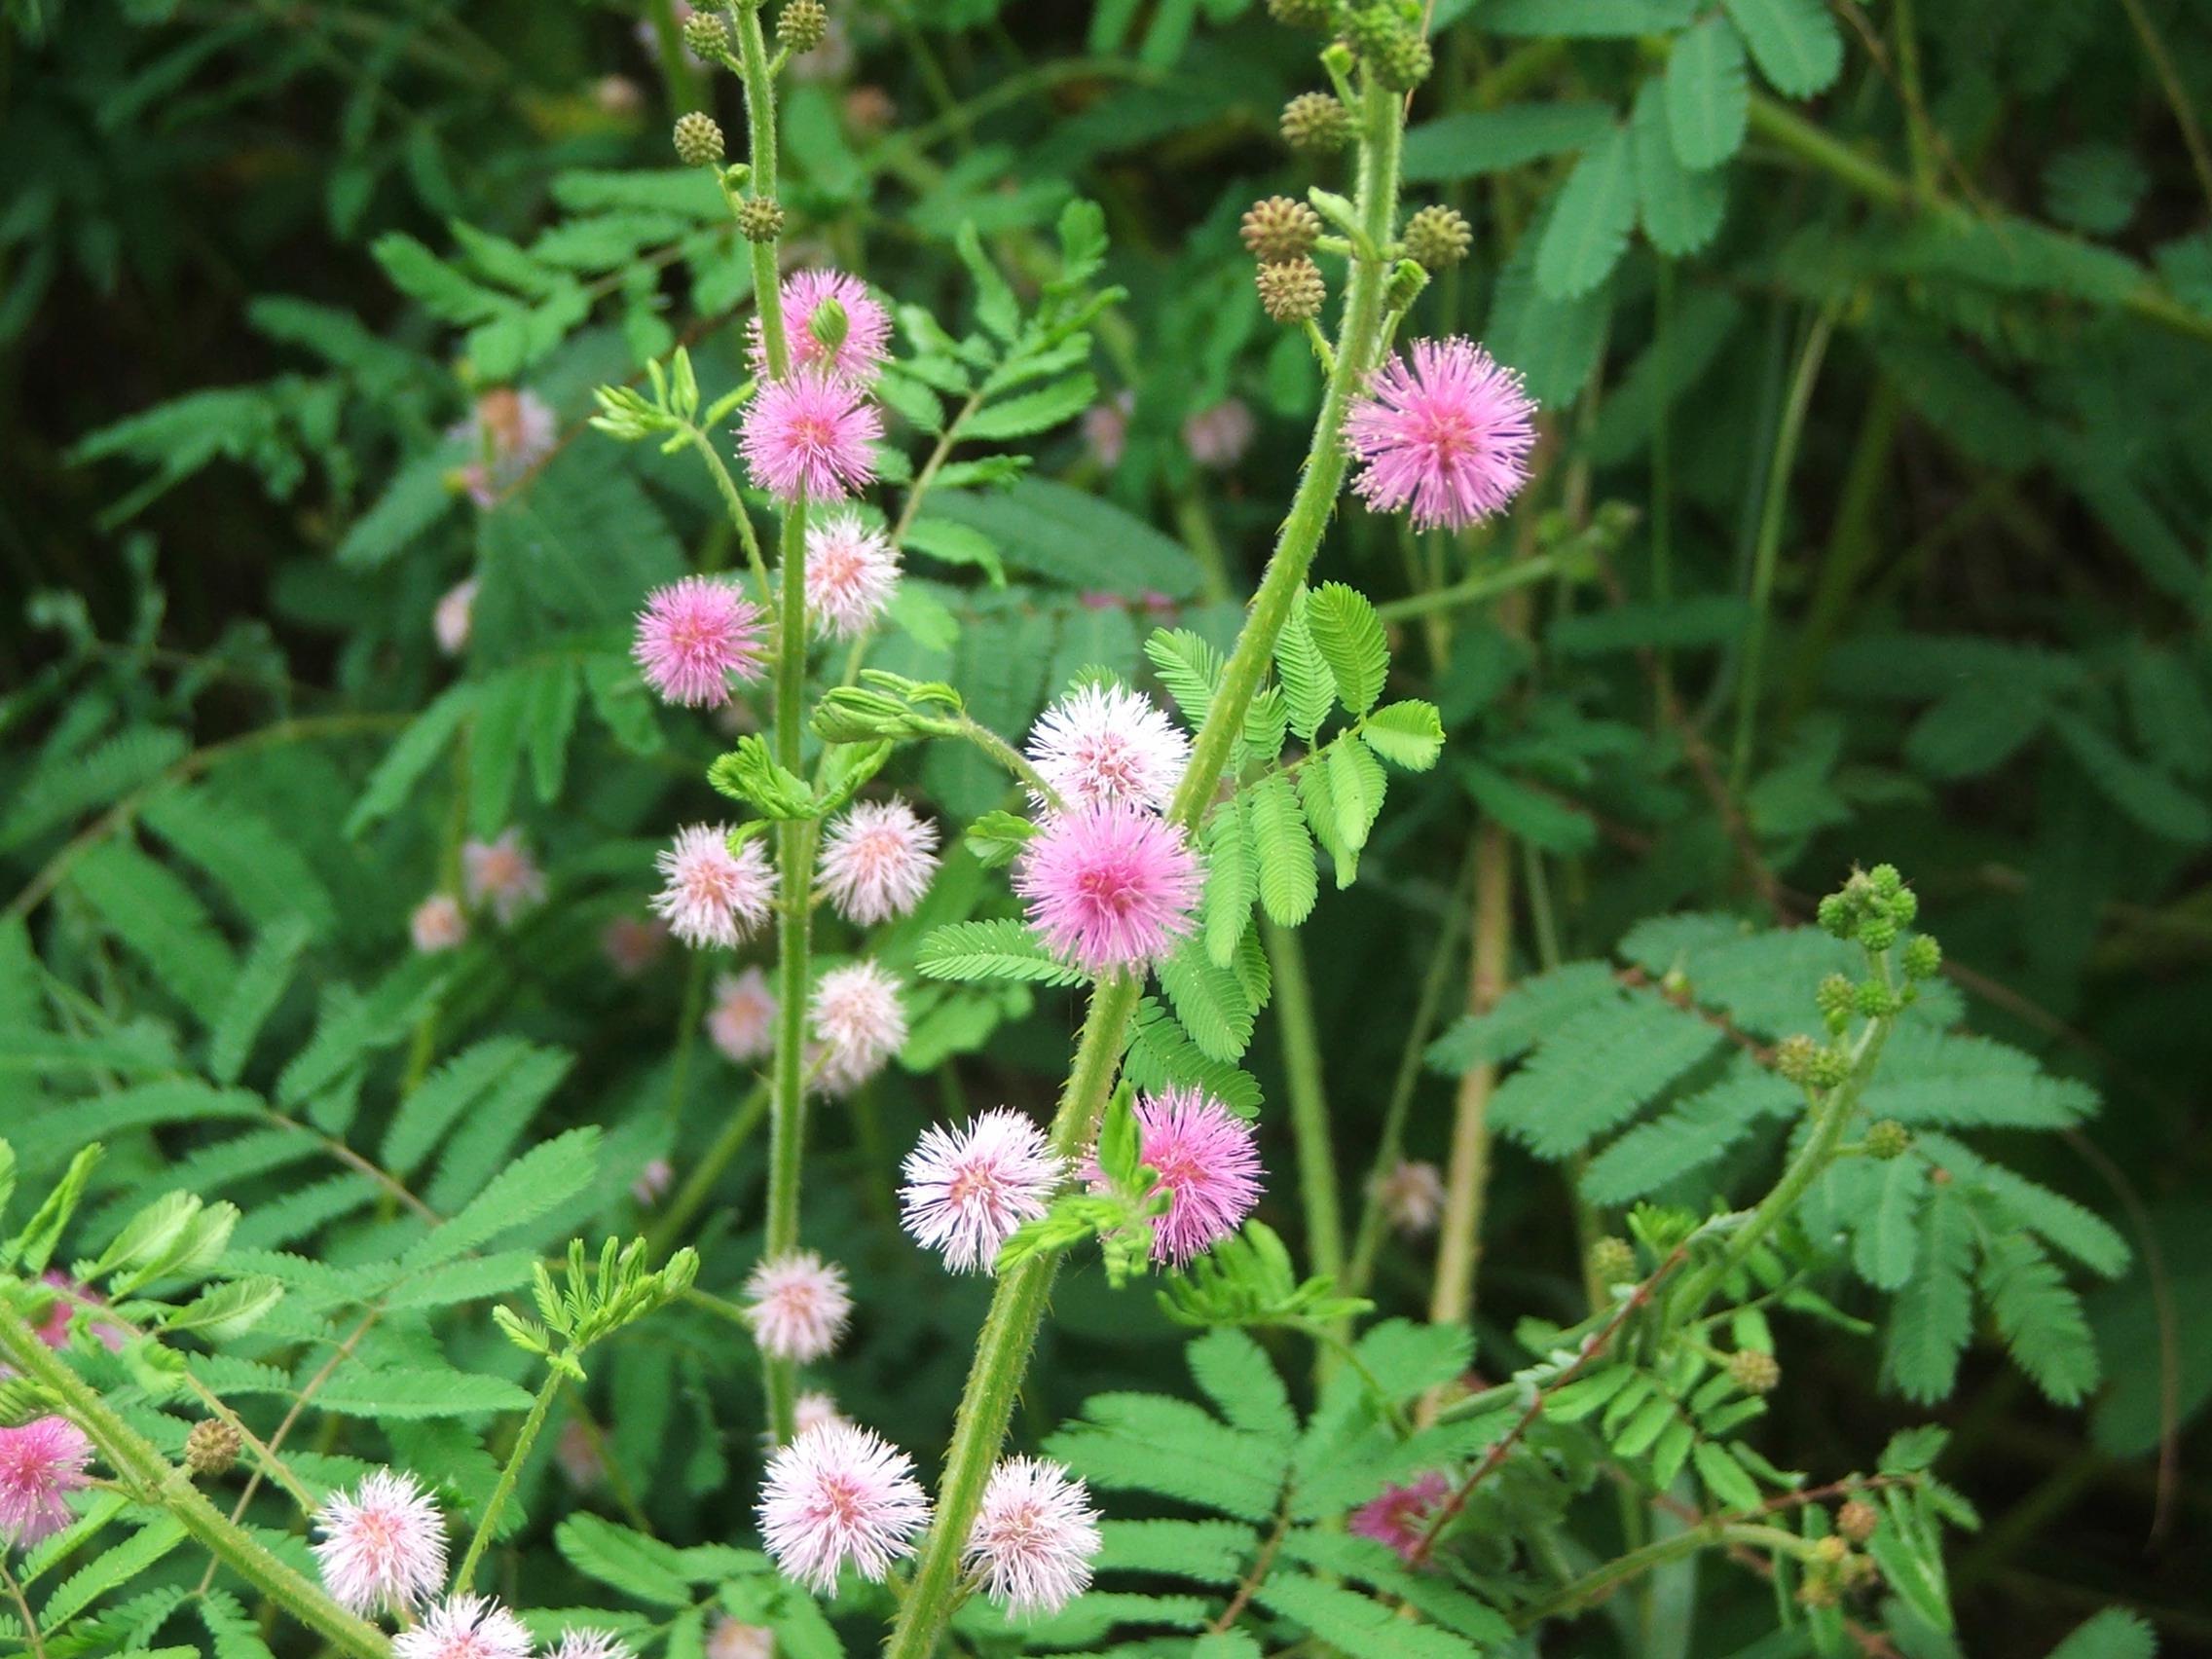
(1664,1246)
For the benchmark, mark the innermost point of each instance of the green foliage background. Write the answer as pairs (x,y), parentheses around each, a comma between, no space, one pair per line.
(1874,341)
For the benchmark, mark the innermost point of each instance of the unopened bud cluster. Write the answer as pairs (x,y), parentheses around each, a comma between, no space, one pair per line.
(1754,1371)
(210,1448)
(1612,1261)
(1280,233)
(1811,1064)
(1316,124)
(1438,237)
(1389,38)
(761,218)
(1833,1568)
(698,140)
(705,36)
(1874,906)
(1302,13)
(802,26)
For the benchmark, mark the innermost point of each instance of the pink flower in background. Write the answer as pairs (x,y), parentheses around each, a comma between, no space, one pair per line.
(464,1627)
(859,357)
(1218,437)
(590,1645)
(814,1410)
(633,943)
(41,1462)
(1207,1164)
(617,95)
(1104,742)
(692,636)
(506,434)
(797,1305)
(1035,1537)
(877,860)
(578,1456)
(1109,886)
(438,924)
(809,434)
(450,621)
(1106,427)
(384,1544)
(851,573)
(729,1640)
(869,110)
(70,1297)
(840,1495)
(1447,436)
(652,1181)
(1413,1197)
(743,1020)
(968,1188)
(1400,1516)
(714,896)
(501,874)
(857,1016)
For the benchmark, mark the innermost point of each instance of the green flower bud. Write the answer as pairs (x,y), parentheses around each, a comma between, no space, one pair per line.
(1292,291)
(1829,1067)
(829,325)
(1438,237)
(1407,280)
(1857,1519)
(1886,880)
(1874,1000)
(1794,1059)
(1877,933)
(1834,995)
(802,26)
(1369,30)
(1316,123)
(210,1448)
(1300,14)
(761,218)
(1279,229)
(1923,957)
(706,35)
(1612,1261)
(1754,1371)
(698,140)
(1836,916)
(1405,62)
(1888,1138)
(1904,906)
(1832,1551)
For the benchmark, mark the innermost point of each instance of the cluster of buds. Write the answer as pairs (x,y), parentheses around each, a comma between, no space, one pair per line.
(1833,1568)
(210,1448)
(1612,1261)
(1316,124)
(1811,1064)
(1438,237)
(802,26)
(1388,37)
(1874,906)
(1280,233)
(1754,1371)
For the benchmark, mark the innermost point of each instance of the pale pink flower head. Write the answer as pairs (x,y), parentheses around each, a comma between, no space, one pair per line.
(1412,1197)
(1207,1164)
(860,355)
(1400,1516)
(692,636)
(1104,742)
(1218,437)
(1448,435)
(41,1462)
(578,1456)
(730,1640)
(809,434)
(617,95)
(449,622)
(797,1305)
(633,943)
(384,1543)
(877,860)
(840,1493)
(857,1017)
(591,1644)
(1106,427)
(714,896)
(1034,1539)
(501,874)
(652,1181)
(743,1020)
(851,573)
(437,924)
(507,434)
(1109,886)
(966,1190)
(815,1408)
(464,1627)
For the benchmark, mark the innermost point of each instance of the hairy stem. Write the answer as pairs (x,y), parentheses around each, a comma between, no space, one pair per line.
(464,1578)
(1308,1101)
(1018,1307)
(1460,1241)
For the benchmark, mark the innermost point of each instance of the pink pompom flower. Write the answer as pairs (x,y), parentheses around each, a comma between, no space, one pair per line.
(809,434)
(1447,435)
(968,1190)
(464,1627)
(1400,1516)
(1034,1539)
(877,860)
(714,896)
(384,1543)
(41,1462)
(1207,1163)
(860,355)
(437,924)
(857,1017)
(840,1493)
(1109,886)
(501,874)
(1412,1197)
(1104,742)
(743,1020)
(851,573)
(797,1305)
(813,1410)
(692,636)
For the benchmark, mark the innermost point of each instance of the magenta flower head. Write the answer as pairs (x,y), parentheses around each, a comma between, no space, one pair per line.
(1034,1539)
(1447,436)
(1208,1166)
(876,861)
(866,341)
(968,1190)
(851,573)
(692,636)
(809,434)
(839,1493)
(713,897)
(1104,742)
(464,1627)
(41,1462)
(1400,1516)
(384,1544)
(859,1022)
(797,1305)
(743,1020)
(1109,886)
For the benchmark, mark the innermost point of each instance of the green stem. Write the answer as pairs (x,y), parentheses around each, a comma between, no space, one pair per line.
(738,516)
(29,1621)
(1485,585)
(154,1481)
(687,1033)
(464,1578)
(1308,1101)
(1712,1534)
(1017,1306)
(692,1196)
(1008,757)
